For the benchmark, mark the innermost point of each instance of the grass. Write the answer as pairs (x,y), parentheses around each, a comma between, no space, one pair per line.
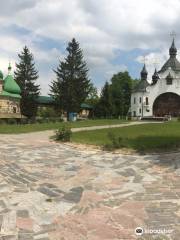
(147,137)
(15,129)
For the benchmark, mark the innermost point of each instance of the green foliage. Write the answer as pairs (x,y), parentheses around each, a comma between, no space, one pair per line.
(11,121)
(72,85)
(3,121)
(26,76)
(63,134)
(115,142)
(115,97)
(104,105)
(120,91)
(48,112)
(92,97)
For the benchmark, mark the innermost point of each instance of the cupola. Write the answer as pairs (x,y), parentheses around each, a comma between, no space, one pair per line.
(155,77)
(144,73)
(173,50)
(10,84)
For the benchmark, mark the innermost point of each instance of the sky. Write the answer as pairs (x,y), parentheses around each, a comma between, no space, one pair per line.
(115,35)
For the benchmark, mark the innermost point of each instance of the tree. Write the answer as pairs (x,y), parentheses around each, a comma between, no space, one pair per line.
(72,85)
(120,88)
(26,76)
(104,106)
(92,97)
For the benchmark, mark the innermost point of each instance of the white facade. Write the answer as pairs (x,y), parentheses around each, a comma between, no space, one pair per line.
(167,80)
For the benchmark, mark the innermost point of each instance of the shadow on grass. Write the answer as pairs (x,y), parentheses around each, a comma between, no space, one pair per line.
(163,146)
(154,143)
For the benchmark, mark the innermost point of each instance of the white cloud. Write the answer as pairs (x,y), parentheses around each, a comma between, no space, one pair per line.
(101,27)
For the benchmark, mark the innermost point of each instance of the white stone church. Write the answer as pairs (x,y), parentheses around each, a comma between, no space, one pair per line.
(161,97)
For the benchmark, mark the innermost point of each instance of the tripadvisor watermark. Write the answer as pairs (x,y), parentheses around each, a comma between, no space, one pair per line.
(139,231)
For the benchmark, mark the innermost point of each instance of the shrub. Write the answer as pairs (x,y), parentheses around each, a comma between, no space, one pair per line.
(3,121)
(63,134)
(114,142)
(12,121)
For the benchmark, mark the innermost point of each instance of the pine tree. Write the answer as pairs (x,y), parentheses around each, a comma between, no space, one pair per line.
(26,76)
(104,107)
(72,85)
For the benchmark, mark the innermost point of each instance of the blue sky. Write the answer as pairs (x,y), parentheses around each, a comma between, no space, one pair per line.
(114,35)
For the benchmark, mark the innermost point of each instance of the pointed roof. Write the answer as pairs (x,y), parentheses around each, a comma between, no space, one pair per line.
(172,62)
(142,84)
(169,76)
(155,76)
(144,72)
(173,49)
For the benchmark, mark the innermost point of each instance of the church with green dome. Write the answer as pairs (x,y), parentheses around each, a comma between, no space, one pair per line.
(9,96)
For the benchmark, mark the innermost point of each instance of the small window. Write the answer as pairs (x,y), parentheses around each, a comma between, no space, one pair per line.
(147,101)
(140,110)
(134,113)
(134,100)
(169,81)
(140,100)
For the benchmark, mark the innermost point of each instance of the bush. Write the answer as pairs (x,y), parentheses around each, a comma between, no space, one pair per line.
(12,121)
(114,142)
(3,121)
(63,134)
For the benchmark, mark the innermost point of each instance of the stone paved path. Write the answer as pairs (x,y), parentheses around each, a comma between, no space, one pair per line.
(50,191)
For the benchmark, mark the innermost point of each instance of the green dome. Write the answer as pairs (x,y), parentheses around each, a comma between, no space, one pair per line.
(1,75)
(11,86)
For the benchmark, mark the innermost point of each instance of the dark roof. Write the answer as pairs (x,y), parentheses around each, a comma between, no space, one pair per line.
(172,62)
(144,69)
(173,49)
(169,76)
(144,73)
(48,100)
(155,77)
(141,86)
(86,106)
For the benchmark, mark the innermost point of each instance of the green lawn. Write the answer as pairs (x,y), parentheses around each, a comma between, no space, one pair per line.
(147,137)
(4,128)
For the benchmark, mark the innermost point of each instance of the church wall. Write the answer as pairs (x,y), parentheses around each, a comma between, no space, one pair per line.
(138,104)
(9,106)
(153,91)
(161,87)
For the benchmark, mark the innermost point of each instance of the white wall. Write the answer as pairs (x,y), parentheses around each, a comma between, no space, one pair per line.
(153,91)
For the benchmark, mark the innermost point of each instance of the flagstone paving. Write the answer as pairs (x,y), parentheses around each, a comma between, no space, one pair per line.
(55,191)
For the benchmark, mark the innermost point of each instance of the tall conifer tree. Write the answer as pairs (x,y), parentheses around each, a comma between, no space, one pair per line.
(72,85)
(26,76)
(104,106)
